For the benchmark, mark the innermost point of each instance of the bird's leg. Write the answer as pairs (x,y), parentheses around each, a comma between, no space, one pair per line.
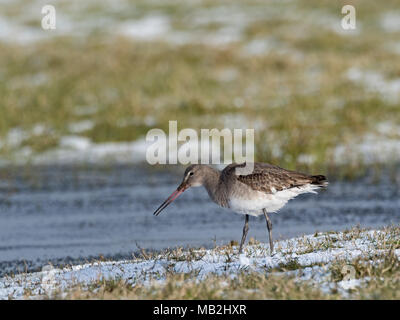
(245,230)
(269,226)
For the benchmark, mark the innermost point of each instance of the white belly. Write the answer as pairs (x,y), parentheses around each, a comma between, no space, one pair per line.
(270,202)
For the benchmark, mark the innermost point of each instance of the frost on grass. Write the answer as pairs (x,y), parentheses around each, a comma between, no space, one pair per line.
(375,82)
(334,264)
(380,146)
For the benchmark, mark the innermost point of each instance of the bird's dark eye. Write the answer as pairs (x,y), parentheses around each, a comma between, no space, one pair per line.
(190,173)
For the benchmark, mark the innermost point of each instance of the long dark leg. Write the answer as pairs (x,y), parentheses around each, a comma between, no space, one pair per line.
(245,230)
(269,226)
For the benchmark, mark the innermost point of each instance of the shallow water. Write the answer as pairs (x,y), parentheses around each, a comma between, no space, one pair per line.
(68,214)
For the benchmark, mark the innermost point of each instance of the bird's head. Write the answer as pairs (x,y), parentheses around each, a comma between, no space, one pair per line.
(193,177)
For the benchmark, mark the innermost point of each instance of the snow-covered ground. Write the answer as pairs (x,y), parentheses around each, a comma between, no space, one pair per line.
(380,146)
(151,22)
(375,82)
(312,256)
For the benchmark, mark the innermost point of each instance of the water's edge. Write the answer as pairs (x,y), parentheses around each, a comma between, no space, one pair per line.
(70,215)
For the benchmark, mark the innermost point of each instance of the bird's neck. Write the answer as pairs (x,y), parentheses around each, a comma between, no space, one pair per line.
(214,188)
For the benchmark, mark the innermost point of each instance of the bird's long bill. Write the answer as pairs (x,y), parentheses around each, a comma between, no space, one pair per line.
(169,200)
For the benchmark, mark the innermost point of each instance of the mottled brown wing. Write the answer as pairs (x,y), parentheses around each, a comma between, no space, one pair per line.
(269,178)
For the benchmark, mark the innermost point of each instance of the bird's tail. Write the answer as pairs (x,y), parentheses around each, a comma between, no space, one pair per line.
(319,180)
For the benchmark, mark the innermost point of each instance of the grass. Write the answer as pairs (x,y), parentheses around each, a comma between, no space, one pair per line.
(379,271)
(180,286)
(294,272)
(128,82)
(382,272)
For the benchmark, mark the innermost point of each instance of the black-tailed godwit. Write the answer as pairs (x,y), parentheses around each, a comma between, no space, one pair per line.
(266,190)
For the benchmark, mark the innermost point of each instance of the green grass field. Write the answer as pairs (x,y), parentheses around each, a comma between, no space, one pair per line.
(283,71)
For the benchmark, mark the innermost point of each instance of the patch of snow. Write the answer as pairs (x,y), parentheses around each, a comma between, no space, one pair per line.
(306,158)
(380,147)
(148,28)
(75,142)
(244,261)
(149,121)
(28,81)
(39,129)
(231,21)
(388,128)
(81,126)
(24,152)
(260,46)
(375,82)
(10,31)
(223,36)
(390,22)
(212,262)
(319,18)
(15,137)
(77,149)
(349,284)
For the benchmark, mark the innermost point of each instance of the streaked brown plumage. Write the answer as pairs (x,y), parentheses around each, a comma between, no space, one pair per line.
(269,178)
(265,190)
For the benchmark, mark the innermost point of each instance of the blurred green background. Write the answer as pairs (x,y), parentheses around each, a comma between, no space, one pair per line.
(319,97)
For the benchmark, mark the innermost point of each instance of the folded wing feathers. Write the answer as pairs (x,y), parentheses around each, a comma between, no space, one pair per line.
(270,179)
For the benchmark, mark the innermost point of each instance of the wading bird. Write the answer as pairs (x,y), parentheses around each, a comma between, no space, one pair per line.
(266,190)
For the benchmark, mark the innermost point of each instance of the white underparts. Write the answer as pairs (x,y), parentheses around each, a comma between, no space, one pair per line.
(271,202)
